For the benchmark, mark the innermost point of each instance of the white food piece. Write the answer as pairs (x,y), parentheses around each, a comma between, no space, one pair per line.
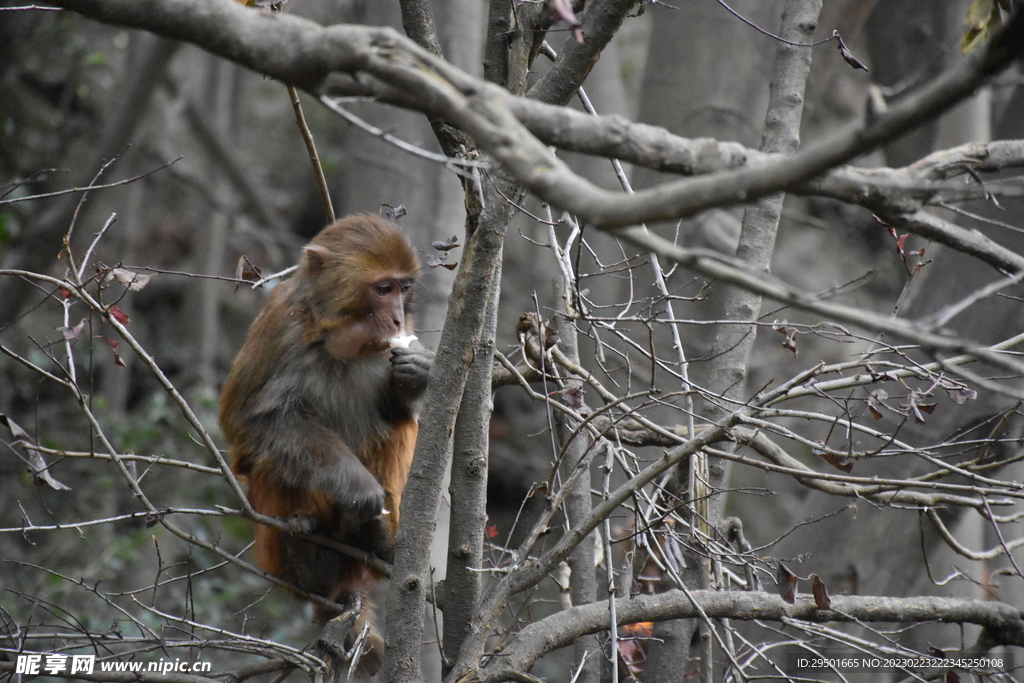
(403,341)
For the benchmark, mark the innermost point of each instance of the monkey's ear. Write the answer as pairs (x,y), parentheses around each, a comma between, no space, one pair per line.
(315,258)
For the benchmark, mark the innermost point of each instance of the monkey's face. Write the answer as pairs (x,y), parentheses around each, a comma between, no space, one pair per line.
(364,330)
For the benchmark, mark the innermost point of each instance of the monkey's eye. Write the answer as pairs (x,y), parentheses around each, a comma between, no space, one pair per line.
(406,286)
(384,288)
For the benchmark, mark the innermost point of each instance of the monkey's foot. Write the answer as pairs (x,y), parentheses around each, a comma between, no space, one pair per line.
(301,524)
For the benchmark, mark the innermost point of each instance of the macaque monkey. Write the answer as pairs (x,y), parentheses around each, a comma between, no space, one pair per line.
(320,408)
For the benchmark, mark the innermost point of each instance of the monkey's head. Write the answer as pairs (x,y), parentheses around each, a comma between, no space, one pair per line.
(357,278)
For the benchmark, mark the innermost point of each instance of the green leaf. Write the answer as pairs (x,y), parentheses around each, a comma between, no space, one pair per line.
(983,19)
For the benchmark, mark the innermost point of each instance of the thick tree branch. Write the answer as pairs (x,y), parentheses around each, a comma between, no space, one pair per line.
(1003,624)
(925,182)
(466,345)
(553,182)
(384,63)
(499,19)
(463,582)
(600,21)
(418,22)
(306,54)
(466,326)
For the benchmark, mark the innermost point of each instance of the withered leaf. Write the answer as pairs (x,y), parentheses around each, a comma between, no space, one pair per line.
(113,346)
(961,395)
(787,583)
(527,323)
(551,337)
(876,401)
(39,467)
(789,332)
(846,54)
(245,270)
(790,343)
(839,463)
(446,245)
(70,333)
(16,430)
(394,212)
(119,315)
(573,396)
(132,280)
(915,405)
(434,262)
(820,591)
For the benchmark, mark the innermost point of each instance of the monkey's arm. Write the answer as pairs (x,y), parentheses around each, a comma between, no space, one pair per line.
(306,458)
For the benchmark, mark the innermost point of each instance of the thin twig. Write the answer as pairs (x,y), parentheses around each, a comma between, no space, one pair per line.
(87,188)
(455,164)
(314,158)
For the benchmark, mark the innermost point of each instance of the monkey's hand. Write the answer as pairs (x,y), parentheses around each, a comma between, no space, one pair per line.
(381,540)
(410,369)
(358,495)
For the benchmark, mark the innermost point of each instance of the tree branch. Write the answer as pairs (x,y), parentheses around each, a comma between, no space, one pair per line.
(600,21)
(381,62)
(1004,625)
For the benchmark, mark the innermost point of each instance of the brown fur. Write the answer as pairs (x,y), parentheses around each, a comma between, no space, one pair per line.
(319,414)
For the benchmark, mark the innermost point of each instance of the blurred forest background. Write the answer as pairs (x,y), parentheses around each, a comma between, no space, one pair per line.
(208,169)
